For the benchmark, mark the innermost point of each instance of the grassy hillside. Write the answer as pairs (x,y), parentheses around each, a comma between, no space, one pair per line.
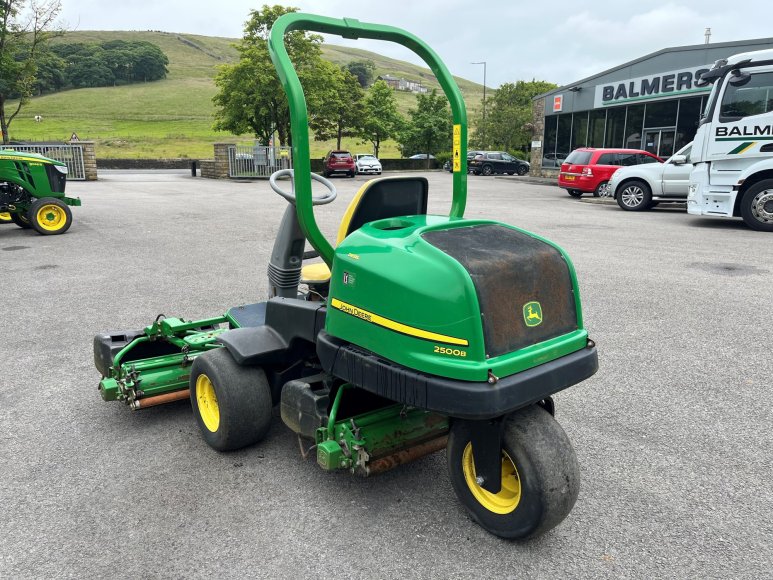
(173,117)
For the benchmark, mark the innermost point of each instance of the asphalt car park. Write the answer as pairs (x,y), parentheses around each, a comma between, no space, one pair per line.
(672,434)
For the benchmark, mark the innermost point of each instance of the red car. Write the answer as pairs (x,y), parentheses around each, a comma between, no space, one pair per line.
(338,162)
(588,170)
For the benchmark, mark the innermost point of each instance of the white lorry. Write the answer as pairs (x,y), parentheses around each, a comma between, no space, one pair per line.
(732,152)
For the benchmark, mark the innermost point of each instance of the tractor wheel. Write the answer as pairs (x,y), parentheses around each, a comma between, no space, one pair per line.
(5,218)
(757,206)
(231,403)
(540,476)
(50,216)
(21,220)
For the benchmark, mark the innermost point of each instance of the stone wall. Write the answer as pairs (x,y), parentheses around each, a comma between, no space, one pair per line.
(89,159)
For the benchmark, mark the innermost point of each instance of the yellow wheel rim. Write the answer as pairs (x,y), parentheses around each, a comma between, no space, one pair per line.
(5,217)
(508,497)
(207,403)
(51,217)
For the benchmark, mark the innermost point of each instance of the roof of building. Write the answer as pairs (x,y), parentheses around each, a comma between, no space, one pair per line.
(687,48)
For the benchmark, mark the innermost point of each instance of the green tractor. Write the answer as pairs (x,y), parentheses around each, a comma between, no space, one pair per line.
(32,192)
(417,333)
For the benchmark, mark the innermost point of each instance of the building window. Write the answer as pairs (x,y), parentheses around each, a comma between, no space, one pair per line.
(549,146)
(615,127)
(687,123)
(579,130)
(633,126)
(564,136)
(661,114)
(596,122)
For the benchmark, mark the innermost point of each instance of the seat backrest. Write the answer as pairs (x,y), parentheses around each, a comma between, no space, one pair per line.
(382,198)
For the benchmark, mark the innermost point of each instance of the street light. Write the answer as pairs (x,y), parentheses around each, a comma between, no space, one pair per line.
(483,132)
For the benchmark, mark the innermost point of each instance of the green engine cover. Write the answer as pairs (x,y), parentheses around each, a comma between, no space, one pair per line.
(457,298)
(38,175)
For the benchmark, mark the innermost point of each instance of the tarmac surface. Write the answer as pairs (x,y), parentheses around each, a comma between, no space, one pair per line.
(673,434)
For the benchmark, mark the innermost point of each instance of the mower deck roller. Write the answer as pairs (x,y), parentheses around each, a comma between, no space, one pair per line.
(417,332)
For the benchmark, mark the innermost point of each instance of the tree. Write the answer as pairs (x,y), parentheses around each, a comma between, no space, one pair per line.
(381,120)
(24,31)
(508,113)
(250,97)
(363,70)
(339,107)
(430,128)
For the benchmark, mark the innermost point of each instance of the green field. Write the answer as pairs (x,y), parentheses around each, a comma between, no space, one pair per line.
(173,118)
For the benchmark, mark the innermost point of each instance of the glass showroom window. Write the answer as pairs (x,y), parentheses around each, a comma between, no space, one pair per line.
(633,126)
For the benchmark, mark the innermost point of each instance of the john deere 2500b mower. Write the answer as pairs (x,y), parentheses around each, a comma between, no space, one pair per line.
(32,192)
(419,332)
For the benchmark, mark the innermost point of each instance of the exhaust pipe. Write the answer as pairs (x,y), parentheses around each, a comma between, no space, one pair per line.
(146,402)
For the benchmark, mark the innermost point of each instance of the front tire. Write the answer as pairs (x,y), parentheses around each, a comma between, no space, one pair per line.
(231,403)
(487,170)
(634,196)
(540,476)
(50,216)
(757,206)
(522,170)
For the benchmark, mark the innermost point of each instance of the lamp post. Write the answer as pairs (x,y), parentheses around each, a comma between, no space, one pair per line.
(483,133)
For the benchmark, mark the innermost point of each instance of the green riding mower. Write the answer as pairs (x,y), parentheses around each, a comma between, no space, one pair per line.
(417,333)
(32,192)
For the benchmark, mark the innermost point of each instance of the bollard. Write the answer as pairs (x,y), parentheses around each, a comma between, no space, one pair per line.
(193,168)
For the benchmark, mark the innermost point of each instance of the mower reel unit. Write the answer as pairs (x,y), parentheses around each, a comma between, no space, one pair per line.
(32,192)
(416,333)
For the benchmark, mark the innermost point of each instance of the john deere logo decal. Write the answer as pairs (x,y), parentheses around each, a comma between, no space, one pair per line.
(532,313)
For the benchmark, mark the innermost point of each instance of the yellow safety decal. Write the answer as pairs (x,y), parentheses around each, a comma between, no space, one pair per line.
(395,326)
(457,160)
(29,159)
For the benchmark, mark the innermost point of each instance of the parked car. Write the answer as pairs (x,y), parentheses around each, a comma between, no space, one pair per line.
(421,156)
(641,187)
(491,162)
(367,163)
(553,159)
(449,166)
(338,162)
(588,170)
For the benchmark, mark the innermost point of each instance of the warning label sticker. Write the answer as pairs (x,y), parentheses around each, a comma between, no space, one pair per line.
(457,160)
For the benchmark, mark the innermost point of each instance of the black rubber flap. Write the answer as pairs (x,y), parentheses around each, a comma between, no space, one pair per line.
(511,270)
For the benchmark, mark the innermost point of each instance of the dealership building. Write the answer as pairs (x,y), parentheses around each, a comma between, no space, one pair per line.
(652,103)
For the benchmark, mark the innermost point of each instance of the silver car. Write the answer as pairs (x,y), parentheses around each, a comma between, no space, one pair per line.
(642,187)
(367,163)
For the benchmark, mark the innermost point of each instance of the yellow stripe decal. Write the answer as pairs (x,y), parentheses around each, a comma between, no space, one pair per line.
(395,326)
(28,159)
(745,149)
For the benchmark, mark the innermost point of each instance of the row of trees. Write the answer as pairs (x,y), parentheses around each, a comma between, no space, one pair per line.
(250,99)
(117,62)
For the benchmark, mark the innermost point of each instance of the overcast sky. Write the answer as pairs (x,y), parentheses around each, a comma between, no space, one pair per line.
(559,41)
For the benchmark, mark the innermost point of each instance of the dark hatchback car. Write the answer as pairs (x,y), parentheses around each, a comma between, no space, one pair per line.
(449,166)
(338,162)
(491,162)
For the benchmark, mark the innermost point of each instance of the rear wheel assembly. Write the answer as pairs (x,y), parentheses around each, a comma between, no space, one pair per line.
(540,476)
(574,192)
(231,403)
(50,216)
(21,220)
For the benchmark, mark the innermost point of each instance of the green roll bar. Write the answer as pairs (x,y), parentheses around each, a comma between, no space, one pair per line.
(299,128)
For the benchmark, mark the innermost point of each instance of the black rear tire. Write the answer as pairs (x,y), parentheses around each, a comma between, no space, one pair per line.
(574,192)
(757,206)
(231,403)
(541,476)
